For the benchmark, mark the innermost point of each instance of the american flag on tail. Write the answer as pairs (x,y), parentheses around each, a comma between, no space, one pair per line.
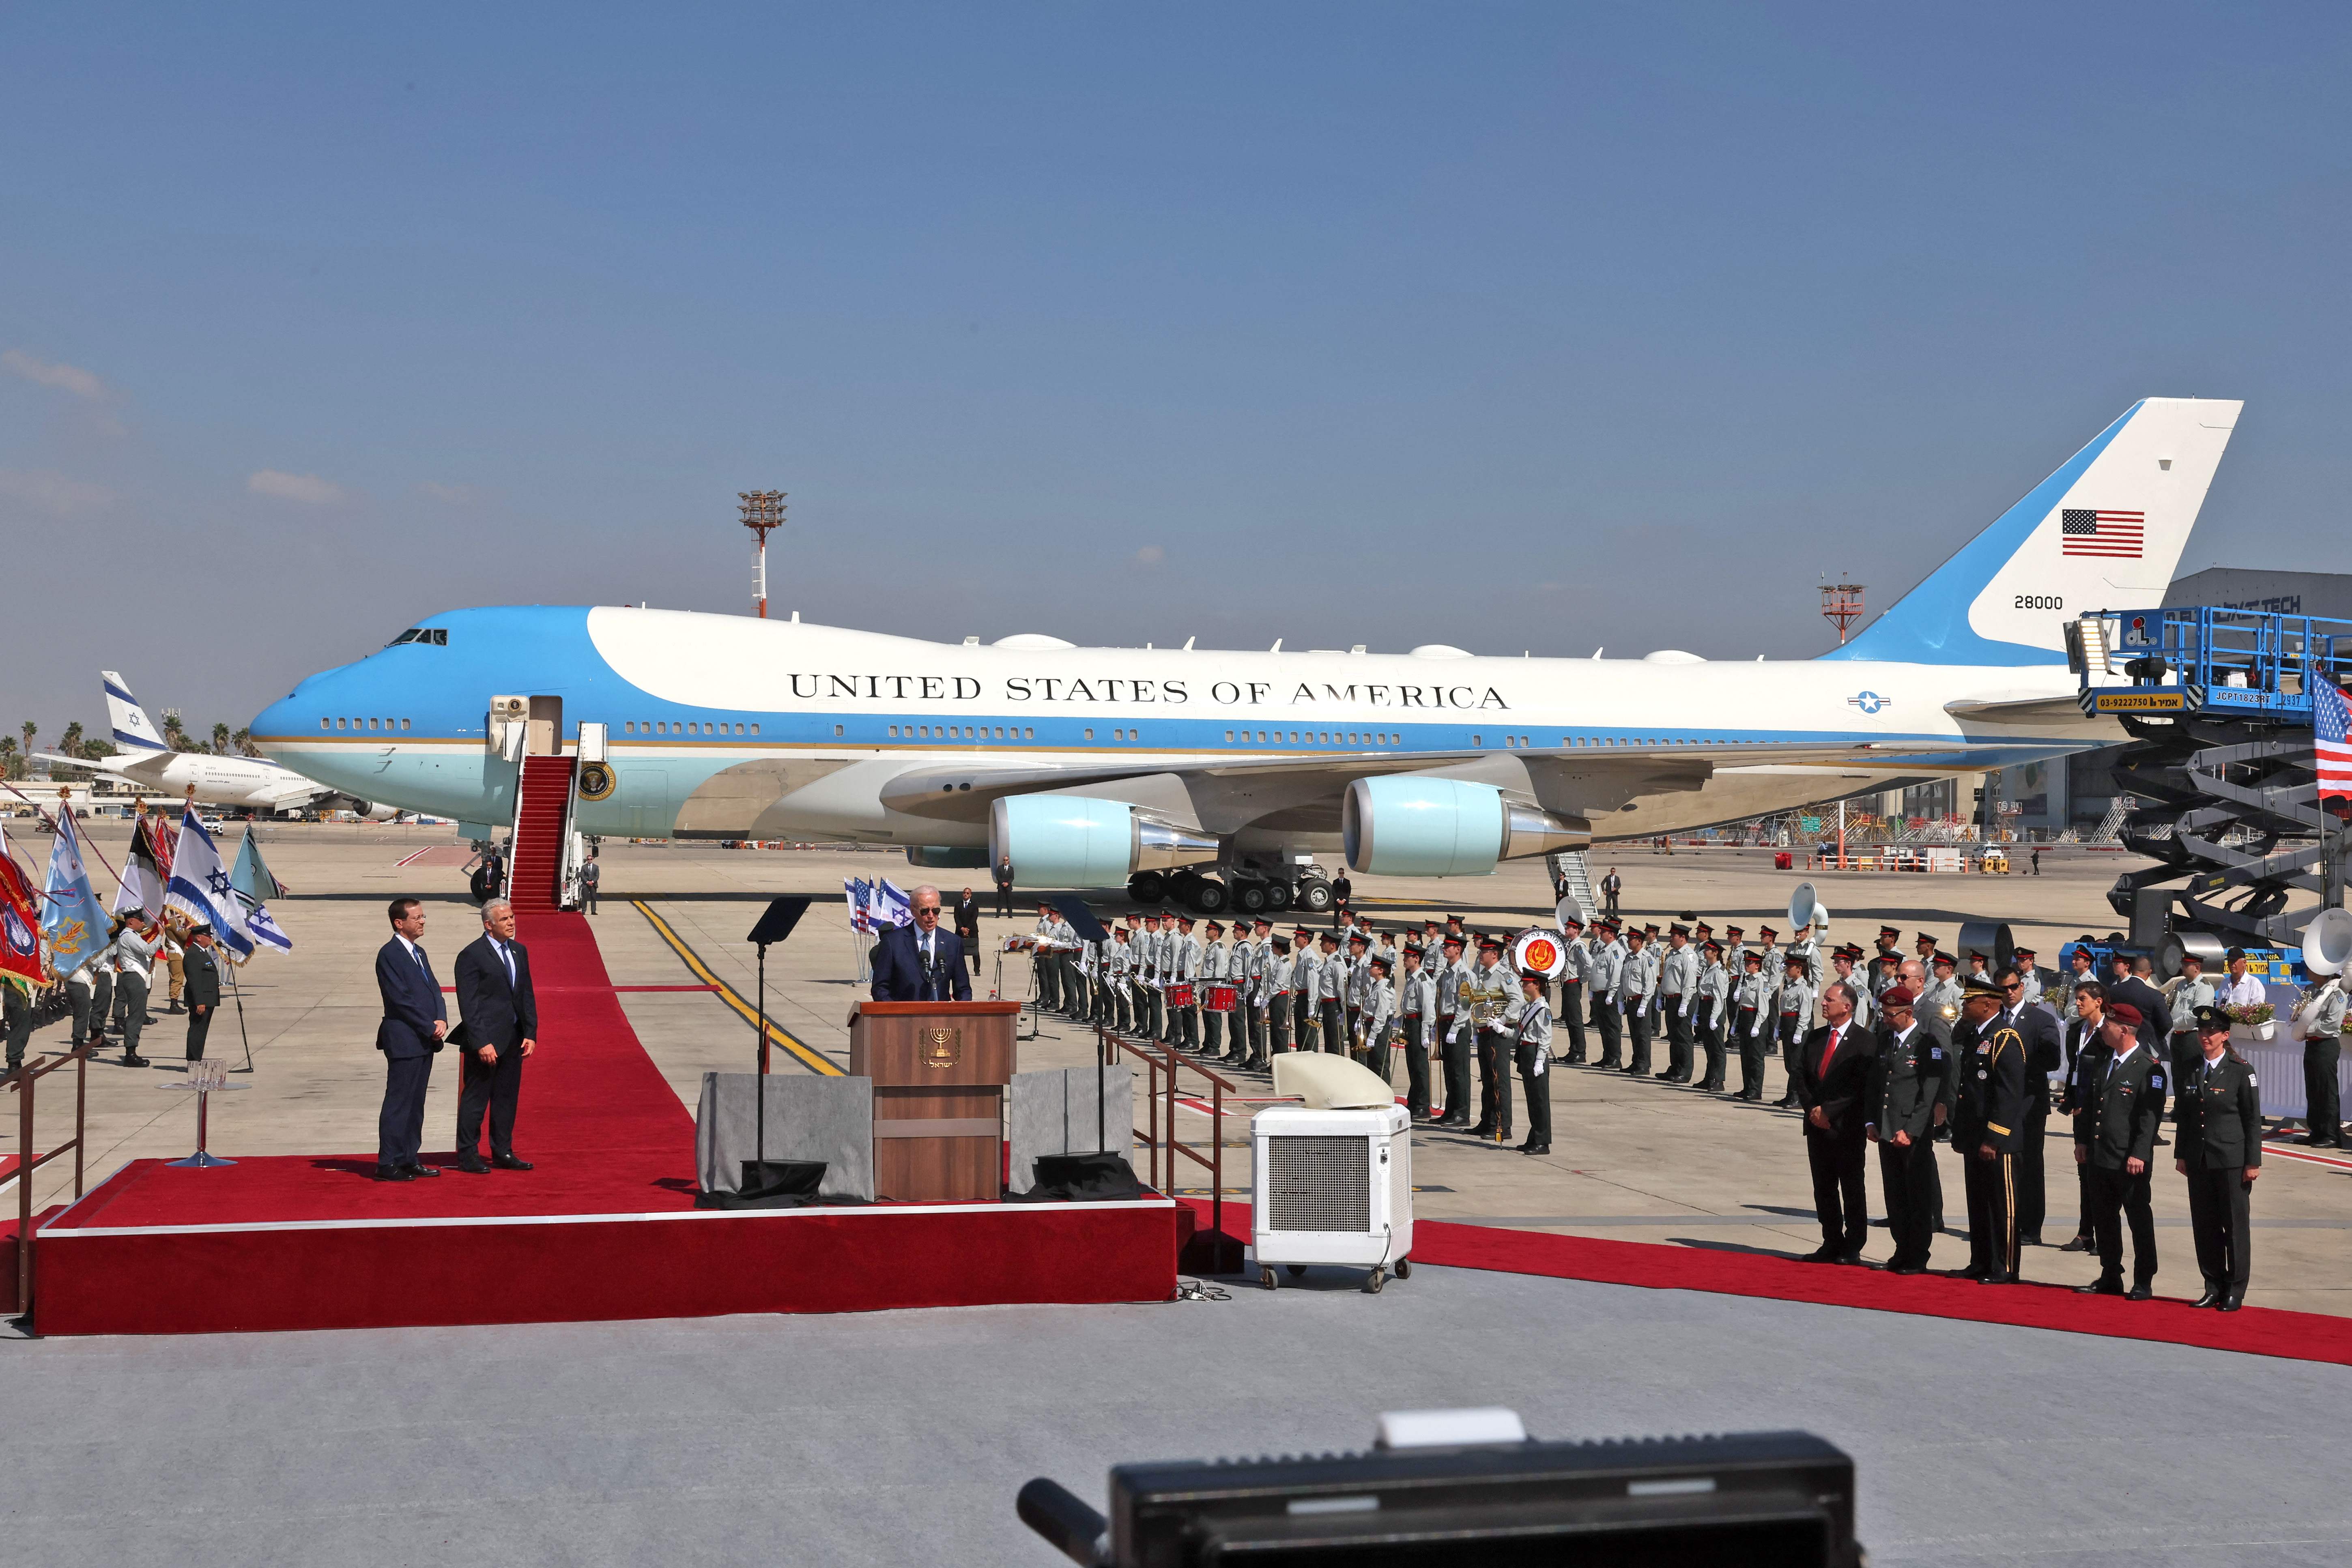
(2084,531)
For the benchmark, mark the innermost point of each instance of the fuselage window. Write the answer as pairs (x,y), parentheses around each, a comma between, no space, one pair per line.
(755,729)
(326,723)
(1090,735)
(836,729)
(1478,740)
(403,725)
(341,722)
(894,732)
(1030,734)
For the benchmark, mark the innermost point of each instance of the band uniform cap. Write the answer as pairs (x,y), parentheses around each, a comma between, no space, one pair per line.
(1894,933)
(1929,937)
(1452,939)
(1750,955)
(1183,920)
(1489,942)
(2130,1017)
(1414,950)
(2207,1018)
(1946,959)
(1678,929)
(1735,931)
(1897,996)
(1281,942)
(1215,925)
(1766,931)
(2023,952)
(1978,985)
(1793,961)
(1713,946)
(1380,961)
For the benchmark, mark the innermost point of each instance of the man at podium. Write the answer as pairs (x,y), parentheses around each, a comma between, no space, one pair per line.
(921,963)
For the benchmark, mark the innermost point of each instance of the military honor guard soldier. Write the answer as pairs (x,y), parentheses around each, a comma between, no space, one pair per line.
(1907,1086)
(1574,990)
(1751,1017)
(2217,1128)
(1986,1116)
(2122,1090)
(1416,1011)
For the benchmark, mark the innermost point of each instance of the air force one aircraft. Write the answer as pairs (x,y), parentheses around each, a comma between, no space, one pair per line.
(1093,766)
(144,761)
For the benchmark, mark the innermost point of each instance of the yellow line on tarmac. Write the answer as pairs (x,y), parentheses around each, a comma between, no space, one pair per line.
(808,1055)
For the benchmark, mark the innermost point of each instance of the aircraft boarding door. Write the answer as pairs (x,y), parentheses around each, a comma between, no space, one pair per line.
(545,730)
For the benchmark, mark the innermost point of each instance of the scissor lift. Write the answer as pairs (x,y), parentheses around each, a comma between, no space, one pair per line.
(2219,705)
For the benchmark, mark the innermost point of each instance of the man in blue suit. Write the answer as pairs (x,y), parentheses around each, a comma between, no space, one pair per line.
(500,1027)
(921,963)
(414,1020)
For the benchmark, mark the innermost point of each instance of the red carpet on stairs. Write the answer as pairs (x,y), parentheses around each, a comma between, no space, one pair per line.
(2255,1331)
(604,1228)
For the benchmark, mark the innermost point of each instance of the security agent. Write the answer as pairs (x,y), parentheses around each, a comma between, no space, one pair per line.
(2044,1055)
(1986,1116)
(415,1020)
(921,962)
(1907,1087)
(498,1010)
(2115,1141)
(1679,994)
(2087,1001)
(1532,1049)
(2218,1132)
(1831,1073)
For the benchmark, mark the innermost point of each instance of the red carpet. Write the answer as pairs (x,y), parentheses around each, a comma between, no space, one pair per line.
(604,1227)
(2255,1330)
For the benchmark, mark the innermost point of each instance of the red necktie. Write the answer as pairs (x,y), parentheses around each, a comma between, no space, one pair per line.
(1830,1050)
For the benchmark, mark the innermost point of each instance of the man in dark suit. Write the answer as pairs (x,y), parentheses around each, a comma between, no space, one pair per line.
(2131,987)
(2084,1055)
(2122,1098)
(2044,1054)
(1832,1073)
(414,1020)
(921,963)
(499,1027)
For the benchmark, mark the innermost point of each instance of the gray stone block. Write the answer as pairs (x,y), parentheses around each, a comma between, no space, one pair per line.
(1053,1113)
(829,1119)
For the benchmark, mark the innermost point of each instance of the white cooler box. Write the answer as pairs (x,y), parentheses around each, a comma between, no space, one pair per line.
(1333,1187)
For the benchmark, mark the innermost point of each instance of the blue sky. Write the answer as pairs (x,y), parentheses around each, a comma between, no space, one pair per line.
(1513,327)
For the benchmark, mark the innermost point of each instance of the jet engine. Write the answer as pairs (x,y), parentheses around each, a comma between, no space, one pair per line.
(1421,825)
(1075,841)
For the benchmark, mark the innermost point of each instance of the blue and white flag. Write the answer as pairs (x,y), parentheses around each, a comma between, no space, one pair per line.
(264,930)
(72,917)
(889,906)
(249,884)
(201,887)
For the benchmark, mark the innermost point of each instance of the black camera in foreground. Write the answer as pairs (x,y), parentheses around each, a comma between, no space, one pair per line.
(1470,1487)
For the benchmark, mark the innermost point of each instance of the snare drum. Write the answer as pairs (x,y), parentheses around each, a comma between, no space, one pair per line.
(1222,998)
(1180,994)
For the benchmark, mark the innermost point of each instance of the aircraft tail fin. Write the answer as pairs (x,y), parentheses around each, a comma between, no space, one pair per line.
(132,732)
(2104,532)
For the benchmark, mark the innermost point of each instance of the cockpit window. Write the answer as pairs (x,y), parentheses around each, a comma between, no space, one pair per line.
(436,635)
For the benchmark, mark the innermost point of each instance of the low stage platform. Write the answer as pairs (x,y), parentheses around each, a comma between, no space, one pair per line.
(603,1227)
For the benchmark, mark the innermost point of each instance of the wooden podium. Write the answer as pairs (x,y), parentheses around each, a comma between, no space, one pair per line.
(940,1070)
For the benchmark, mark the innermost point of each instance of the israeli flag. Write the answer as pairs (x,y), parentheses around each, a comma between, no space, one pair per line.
(201,887)
(72,917)
(267,937)
(889,906)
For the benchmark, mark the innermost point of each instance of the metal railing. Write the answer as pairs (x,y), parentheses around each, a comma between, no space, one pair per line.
(22,1080)
(1163,1065)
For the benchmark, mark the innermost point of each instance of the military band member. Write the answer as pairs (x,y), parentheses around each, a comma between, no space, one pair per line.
(2115,1141)
(1118,1000)
(1306,981)
(1654,950)
(1986,1116)
(1416,1011)
(1378,1018)
(1049,987)
(1149,1014)
(1776,957)
(1274,1000)
(1939,1010)
(2217,1131)
(2083,970)
(1907,1086)
(2033,978)
(1190,950)
(1751,1016)
(2320,1021)
(1532,1048)
(1636,982)
(1495,1043)
(1214,959)
(1608,973)
(1678,994)
(1795,1016)
(2184,994)
(1885,969)
(1454,1049)
(1355,988)
(1573,987)
(1865,1001)
(1714,986)
(1331,995)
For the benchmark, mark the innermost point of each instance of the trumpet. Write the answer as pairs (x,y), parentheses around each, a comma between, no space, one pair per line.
(1485,1007)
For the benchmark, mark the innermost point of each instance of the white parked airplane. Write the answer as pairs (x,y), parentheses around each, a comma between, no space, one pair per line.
(1090,767)
(143,760)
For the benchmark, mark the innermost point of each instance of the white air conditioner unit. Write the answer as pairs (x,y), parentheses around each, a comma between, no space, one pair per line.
(1333,1187)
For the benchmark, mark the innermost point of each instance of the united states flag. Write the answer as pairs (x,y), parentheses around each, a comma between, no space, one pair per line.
(2082,531)
(2328,718)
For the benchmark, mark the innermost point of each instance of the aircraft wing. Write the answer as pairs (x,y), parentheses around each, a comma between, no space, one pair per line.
(1302,793)
(2032,712)
(86,764)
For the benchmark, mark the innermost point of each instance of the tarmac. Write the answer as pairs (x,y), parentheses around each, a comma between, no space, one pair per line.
(901,1437)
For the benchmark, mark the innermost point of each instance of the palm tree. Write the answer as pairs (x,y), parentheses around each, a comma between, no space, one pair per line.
(7,756)
(220,740)
(243,740)
(73,738)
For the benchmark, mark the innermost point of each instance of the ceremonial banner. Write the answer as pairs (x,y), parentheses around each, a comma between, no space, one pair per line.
(859,893)
(20,923)
(249,884)
(887,905)
(72,917)
(201,888)
(143,875)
